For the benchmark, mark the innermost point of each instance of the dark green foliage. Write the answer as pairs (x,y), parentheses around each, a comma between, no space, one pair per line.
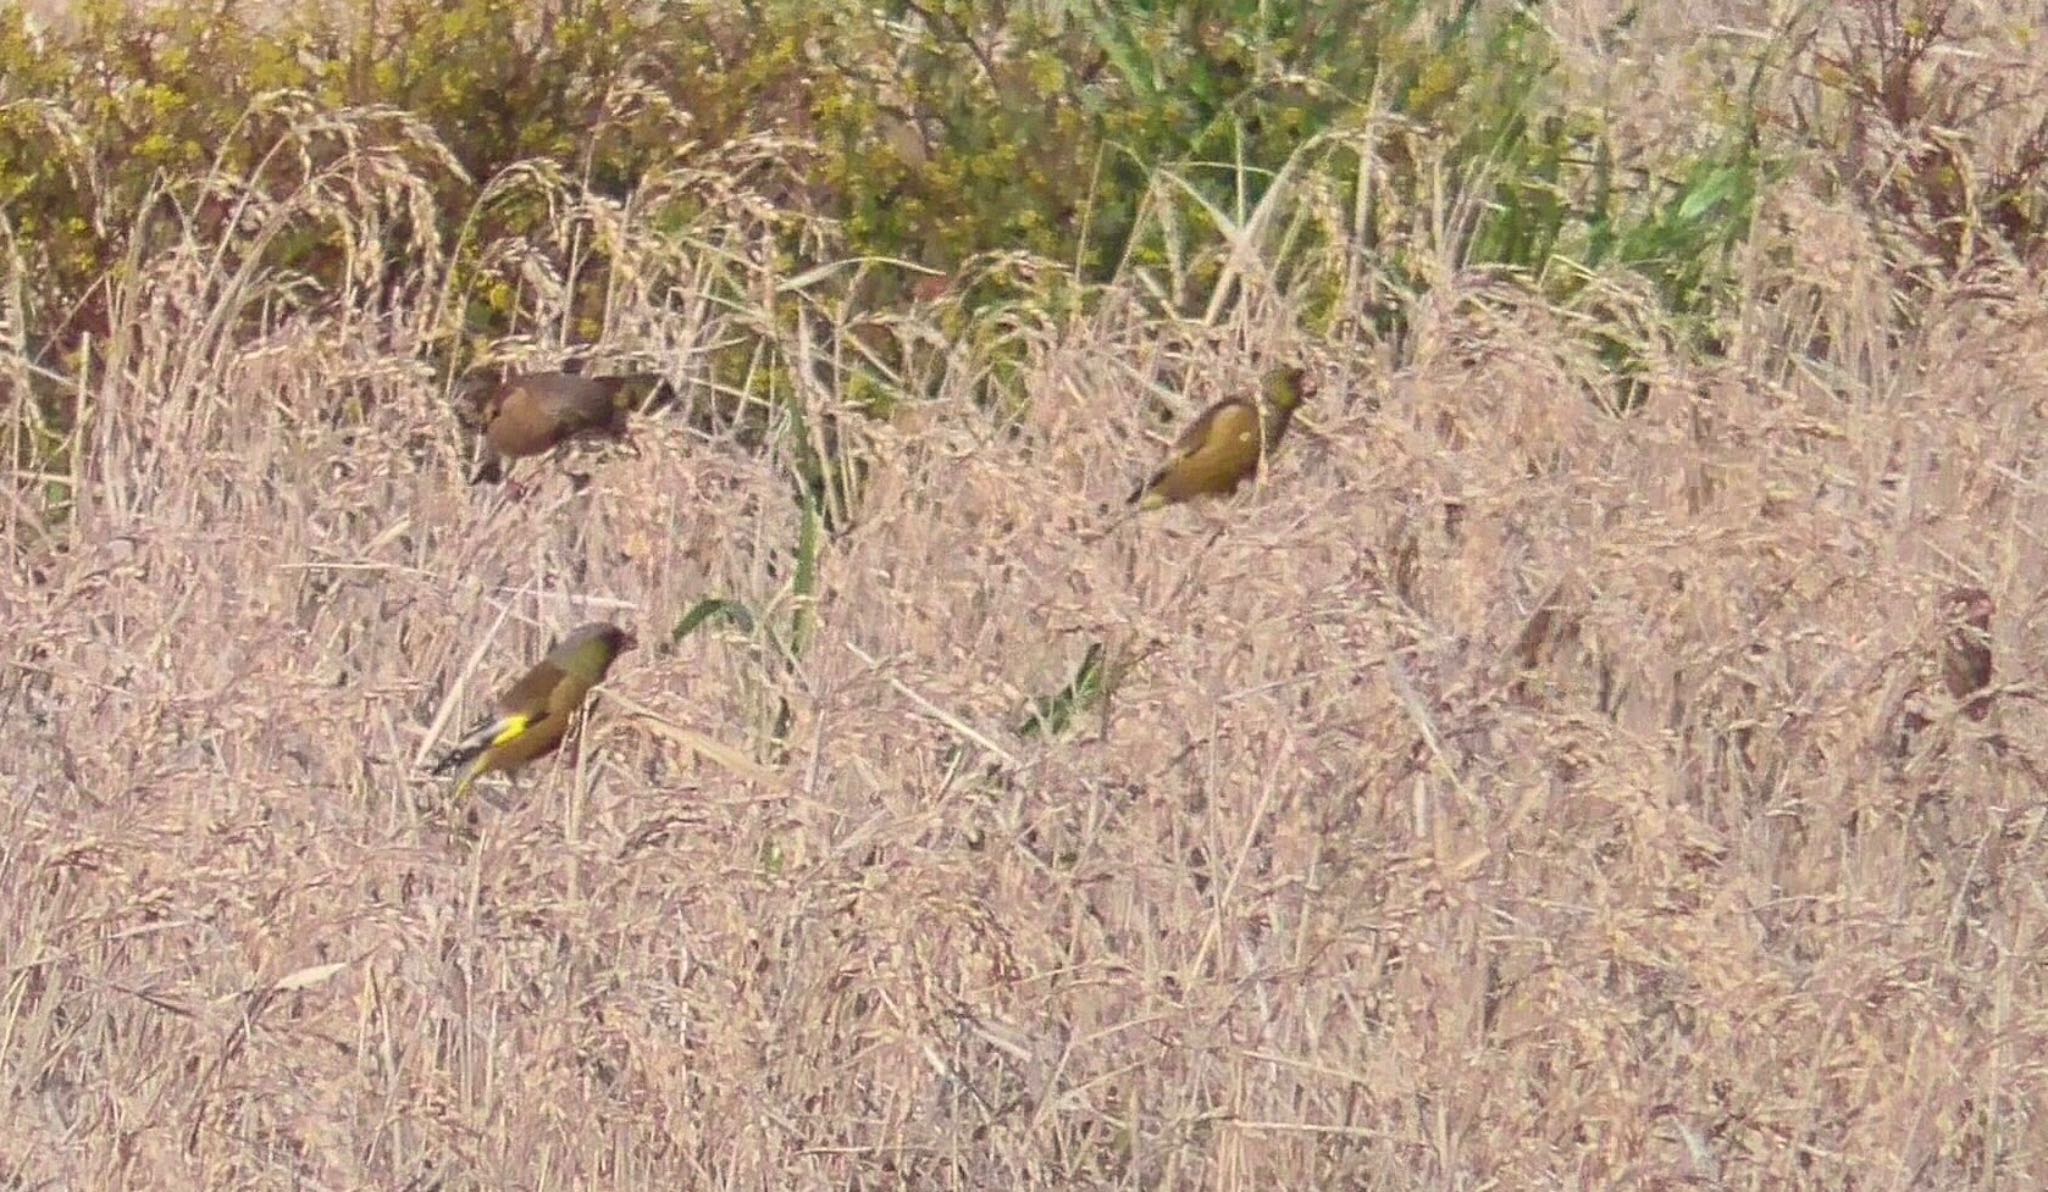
(1088,139)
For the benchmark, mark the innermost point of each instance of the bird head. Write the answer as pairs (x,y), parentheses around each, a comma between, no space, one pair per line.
(1288,386)
(1969,606)
(476,399)
(591,648)
(614,638)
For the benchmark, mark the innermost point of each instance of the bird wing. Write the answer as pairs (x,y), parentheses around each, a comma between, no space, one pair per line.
(519,709)
(1222,423)
(528,698)
(495,731)
(490,466)
(575,402)
(1190,441)
(487,734)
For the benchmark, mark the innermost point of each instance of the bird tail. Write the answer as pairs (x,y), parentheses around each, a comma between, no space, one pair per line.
(493,732)
(1144,496)
(624,387)
(645,393)
(477,761)
(490,469)
(462,753)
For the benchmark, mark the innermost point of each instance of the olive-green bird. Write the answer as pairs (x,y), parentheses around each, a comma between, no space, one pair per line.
(530,413)
(1222,448)
(533,715)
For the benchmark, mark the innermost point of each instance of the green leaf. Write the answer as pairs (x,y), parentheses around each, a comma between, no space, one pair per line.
(706,609)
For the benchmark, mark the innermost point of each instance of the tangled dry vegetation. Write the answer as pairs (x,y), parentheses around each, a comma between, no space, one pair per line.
(1505,793)
(1508,792)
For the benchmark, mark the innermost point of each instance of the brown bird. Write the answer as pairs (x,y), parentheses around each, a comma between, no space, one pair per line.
(530,413)
(1966,648)
(534,713)
(1222,448)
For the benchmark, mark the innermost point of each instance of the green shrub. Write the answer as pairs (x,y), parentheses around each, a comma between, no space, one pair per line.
(495,146)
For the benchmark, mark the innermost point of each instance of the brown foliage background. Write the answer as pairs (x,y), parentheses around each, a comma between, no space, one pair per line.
(1367,872)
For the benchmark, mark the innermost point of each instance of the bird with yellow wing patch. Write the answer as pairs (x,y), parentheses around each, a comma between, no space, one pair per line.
(1223,447)
(532,716)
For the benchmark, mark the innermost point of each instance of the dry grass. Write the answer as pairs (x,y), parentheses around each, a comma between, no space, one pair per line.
(1500,795)
(1335,891)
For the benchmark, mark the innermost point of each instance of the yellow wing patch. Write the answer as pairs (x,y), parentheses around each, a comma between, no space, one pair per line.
(514,727)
